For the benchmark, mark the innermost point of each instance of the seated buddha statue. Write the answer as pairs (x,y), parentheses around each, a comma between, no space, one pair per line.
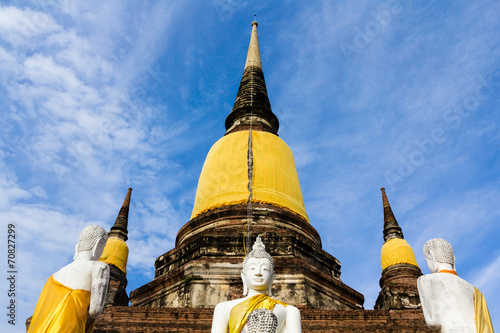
(257,311)
(76,291)
(449,303)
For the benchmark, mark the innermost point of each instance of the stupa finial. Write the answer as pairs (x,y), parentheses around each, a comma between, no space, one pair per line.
(391,226)
(252,103)
(253,55)
(119,229)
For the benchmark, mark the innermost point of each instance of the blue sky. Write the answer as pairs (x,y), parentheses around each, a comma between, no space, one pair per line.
(98,96)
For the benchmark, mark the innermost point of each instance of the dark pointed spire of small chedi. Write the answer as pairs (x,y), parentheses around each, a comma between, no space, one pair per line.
(400,270)
(391,226)
(119,229)
(252,103)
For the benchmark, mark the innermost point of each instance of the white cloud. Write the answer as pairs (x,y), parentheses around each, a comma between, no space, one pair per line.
(7,59)
(17,26)
(10,192)
(43,71)
(487,278)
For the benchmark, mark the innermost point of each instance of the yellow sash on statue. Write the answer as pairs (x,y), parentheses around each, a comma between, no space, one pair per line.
(60,309)
(481,313)
(239,314)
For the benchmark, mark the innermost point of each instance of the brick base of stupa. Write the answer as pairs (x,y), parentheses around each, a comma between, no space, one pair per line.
(204,268)
(147,319)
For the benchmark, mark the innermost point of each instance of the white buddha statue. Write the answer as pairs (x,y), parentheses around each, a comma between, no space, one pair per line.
(75,291)
(449,303)
(257,312)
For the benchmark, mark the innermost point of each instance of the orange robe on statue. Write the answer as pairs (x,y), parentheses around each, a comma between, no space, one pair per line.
(60,309)
(481,313)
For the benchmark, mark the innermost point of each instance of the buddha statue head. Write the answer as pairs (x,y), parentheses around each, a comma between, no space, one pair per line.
(92,240)
(439,255)
(258,269)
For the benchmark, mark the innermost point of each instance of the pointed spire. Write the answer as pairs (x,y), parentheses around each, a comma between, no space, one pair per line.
(119,229)
(252,104)
(391,226)
(253,56)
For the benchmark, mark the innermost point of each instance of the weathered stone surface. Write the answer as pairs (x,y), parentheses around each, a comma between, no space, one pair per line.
(117,295)
(252,100)
(147,319)
(399,288)
(205,267)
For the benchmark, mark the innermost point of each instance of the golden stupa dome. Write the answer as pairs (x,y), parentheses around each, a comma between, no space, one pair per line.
(397,251)
(224,179)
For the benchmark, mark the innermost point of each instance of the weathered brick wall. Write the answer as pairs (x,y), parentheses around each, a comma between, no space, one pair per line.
(147,319)
(399,288)
(363,321)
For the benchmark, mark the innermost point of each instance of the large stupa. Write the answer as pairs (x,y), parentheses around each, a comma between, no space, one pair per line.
(249,186)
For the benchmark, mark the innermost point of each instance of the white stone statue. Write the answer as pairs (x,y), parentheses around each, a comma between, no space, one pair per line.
(75,291)
(257,312)
(449,303)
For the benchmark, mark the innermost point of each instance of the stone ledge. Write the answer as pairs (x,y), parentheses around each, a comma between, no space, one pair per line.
(146,319)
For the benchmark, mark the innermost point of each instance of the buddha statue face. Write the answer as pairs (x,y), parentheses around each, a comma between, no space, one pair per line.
(258,269)
(257,274)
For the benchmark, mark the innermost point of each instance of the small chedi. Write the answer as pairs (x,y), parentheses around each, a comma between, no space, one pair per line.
(449,303)
(77,290)
(400,270)
(115,254)
(257,311)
